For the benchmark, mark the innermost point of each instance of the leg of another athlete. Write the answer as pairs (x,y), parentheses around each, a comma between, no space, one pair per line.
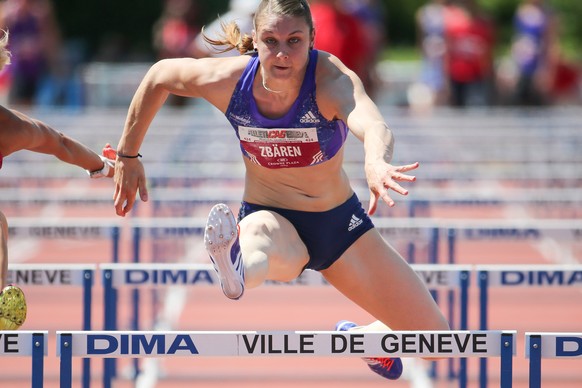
(3,250)
(271,248)
(12,300)
(374,276)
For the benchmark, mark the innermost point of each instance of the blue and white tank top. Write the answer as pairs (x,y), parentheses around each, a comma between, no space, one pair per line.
(301,138)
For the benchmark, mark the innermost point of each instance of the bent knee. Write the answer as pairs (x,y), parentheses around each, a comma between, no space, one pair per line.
(277,239)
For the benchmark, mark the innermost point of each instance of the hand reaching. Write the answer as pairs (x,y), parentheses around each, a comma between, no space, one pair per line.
(129,178)
(382,177)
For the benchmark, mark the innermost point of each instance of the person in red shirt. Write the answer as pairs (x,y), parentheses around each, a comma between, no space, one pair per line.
(341,34)
(469,54)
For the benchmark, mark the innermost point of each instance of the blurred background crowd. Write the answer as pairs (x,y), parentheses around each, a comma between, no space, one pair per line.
(418,53)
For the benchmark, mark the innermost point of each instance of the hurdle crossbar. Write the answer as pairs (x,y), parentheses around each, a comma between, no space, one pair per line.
(150,275)
(138,344)
(29,344)
(65,228)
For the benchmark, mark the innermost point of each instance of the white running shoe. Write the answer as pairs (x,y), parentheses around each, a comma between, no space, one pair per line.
(221,241)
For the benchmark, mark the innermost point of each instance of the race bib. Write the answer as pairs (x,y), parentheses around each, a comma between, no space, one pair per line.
(281,147)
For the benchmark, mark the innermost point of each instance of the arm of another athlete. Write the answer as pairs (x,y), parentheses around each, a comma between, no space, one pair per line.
(20,132)
(210,78)
(343,93)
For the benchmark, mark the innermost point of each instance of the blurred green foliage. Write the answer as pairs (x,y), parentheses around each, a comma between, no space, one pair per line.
(126,23)
(95,22)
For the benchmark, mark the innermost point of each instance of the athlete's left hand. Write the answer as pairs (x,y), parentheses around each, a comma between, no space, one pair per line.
(381,177)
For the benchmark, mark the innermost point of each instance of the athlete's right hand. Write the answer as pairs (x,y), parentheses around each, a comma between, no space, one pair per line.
(129,178)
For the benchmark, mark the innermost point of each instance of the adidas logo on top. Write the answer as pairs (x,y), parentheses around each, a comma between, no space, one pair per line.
(354,223)
(309,117)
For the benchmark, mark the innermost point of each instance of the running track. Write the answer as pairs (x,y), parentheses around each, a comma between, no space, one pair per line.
(285,309)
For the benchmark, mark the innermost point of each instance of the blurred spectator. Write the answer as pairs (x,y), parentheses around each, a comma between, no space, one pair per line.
(534,52)
(240,11)
(372,17)
(469,54)
(567,83)
(173,34)
(175,29)
(340,33)
(430,24)
(34,43)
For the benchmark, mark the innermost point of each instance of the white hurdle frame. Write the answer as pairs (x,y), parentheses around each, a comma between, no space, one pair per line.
(133,344)
(539,345)
(26,343)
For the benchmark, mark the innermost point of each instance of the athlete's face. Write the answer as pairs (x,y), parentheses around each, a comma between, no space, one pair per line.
(283,44)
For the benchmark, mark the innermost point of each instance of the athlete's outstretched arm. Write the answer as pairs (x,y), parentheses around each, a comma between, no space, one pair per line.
(163,78)
(20,132)
(365,121)
(207,78)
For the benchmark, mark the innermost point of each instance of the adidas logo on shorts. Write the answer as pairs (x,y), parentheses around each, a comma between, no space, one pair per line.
(309,117)
(354,223)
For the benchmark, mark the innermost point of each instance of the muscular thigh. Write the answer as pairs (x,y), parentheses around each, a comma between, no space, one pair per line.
(271,234)
(373,275)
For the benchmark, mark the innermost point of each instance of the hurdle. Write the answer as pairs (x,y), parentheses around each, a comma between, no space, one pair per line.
(411,229)
(26,344)
(525,229)
(421,204)
(549,345)
(145,344)
(64,228)
(80,275)
(520,276)
(152,275)
(64,274)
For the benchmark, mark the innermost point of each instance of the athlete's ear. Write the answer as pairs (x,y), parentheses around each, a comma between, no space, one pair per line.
(254,35)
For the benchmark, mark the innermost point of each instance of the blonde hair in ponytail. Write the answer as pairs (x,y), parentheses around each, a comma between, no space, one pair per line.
(230,39)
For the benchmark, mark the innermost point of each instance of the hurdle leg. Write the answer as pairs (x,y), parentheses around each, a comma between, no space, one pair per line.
(66,367)
(87,300)
(535,361)
(110,320)
(506,360)
(37,360)
(483,279)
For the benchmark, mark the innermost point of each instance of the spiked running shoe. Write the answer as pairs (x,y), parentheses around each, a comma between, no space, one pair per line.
(12,308)
(389,368)
(221,241)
